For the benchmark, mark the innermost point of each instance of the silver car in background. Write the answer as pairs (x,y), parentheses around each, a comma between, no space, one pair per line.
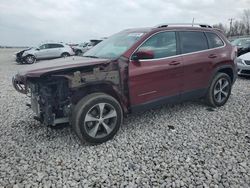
(243,63)
(44,51)
(84,47)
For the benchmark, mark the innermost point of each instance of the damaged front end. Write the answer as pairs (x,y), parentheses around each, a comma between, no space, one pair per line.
(53,96)
(50,100)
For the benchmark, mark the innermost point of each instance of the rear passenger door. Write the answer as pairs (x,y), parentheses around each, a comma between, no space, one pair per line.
(197,63)
(55,50)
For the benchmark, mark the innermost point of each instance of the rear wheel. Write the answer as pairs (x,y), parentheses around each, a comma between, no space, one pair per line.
(219,90)
(65,54)
(30,59)
(78,52)
(97,118)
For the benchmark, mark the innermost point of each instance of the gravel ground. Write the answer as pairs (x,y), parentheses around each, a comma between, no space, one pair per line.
(184,145)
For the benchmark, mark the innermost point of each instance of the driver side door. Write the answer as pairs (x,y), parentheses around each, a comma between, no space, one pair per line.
(42,53)
(156,80)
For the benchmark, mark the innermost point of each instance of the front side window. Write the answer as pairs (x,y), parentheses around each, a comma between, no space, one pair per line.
(44,46)
(214,40)
(192,41)
(161,45)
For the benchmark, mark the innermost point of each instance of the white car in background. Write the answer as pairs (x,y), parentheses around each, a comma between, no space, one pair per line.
(44,51)
(243,63)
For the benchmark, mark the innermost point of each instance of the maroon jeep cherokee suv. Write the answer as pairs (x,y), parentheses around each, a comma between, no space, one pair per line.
(133,70)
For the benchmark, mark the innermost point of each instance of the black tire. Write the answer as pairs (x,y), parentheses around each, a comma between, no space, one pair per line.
(217,92)
(78,52)
(30,59)
(85,107)
(65,54)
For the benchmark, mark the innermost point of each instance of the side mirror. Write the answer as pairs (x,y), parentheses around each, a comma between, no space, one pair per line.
(145,54)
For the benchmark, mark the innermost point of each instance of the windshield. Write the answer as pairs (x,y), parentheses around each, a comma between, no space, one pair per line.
(238,42)
(83,44)
(114,46)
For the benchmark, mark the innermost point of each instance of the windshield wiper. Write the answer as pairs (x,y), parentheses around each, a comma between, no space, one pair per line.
(91,56)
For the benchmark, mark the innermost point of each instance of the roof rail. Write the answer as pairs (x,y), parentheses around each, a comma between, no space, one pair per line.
(184,24)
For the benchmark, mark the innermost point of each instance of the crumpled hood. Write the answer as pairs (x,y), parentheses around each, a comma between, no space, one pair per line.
(30,51)
(50,66)
(27,49)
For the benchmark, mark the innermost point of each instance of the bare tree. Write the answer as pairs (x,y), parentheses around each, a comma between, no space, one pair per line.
(237,27)
(221,27)
(242,28)
(246,21)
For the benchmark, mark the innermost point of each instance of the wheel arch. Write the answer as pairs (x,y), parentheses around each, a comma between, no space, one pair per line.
(103,87)
(65,53)
(227,69)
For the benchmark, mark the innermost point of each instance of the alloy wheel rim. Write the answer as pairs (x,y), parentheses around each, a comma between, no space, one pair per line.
(100,120)
(221,90)
(30,59)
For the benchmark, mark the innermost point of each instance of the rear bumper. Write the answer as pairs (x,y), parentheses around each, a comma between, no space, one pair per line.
(243,69)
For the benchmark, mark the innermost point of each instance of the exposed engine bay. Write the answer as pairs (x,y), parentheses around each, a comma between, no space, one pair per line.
(53,96)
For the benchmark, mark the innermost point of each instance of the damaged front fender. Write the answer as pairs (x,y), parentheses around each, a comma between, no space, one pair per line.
(79,79)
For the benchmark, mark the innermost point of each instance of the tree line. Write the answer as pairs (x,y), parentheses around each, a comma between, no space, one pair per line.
(237,27)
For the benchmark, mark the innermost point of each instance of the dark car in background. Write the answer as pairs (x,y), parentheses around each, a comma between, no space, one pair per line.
(134,70)
(242,44)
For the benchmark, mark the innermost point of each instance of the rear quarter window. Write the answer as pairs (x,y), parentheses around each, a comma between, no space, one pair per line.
(214,40)
(192,41)
(55,45)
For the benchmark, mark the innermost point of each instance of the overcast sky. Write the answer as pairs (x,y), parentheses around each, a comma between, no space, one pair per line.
(30,22)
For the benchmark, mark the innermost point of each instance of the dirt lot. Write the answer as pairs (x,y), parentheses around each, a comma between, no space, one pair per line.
(184,145)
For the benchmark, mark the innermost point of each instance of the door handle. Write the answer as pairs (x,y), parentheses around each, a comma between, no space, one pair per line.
(174,63)
(212,56)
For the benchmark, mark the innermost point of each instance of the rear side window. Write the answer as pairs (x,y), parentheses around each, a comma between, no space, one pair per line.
(55,46)
(162,44)
(192,41)
(214,40)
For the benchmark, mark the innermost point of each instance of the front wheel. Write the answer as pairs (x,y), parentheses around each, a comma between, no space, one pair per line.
(97,118)
(30,59)
(219,90)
